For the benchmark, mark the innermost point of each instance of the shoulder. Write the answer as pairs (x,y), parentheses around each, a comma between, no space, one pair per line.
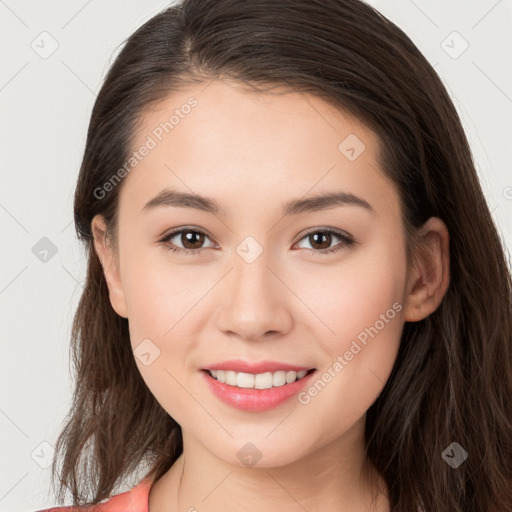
(134,500)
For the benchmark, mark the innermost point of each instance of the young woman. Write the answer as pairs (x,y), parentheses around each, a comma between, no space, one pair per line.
(296,296)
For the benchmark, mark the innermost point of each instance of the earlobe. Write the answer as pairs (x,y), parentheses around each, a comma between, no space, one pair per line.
(108,261)
(430,273)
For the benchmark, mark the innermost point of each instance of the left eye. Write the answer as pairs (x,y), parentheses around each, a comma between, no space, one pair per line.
(188,236)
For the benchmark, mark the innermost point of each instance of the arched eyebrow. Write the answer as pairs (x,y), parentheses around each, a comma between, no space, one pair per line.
(169,197)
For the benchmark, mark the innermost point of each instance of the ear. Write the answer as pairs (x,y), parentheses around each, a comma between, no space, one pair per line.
(430,273)
(109,261)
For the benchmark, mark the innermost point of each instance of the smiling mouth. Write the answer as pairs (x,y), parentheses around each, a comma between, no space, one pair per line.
(265,380)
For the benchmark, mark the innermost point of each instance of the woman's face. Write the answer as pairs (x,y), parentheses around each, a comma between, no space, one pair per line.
(258,287)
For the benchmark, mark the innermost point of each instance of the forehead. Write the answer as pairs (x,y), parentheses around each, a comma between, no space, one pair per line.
(221,140)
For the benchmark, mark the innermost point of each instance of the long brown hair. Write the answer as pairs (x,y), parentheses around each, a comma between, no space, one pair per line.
(452,380)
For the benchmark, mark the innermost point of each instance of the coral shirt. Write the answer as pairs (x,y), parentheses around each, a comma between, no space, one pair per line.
(134,500)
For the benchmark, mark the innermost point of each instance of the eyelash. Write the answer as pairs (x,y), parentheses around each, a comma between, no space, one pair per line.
(347,241)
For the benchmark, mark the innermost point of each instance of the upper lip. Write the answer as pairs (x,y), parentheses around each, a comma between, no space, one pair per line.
(240,365)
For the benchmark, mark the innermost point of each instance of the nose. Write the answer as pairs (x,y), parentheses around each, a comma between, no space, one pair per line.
(256,302)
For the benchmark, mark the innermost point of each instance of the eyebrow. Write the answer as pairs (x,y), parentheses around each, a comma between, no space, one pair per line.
(169,198)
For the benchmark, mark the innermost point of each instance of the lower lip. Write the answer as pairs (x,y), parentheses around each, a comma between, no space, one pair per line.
(255,400)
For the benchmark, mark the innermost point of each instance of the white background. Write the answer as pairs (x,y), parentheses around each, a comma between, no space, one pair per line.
(45,107)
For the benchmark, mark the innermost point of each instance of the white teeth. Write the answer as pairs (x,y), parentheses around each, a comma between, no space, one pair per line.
(259,381)
(243,380)
(279,379)
(230,377)
(263,380)
(291,377)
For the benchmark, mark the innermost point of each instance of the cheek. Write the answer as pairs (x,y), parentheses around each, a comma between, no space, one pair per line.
(164,311)
(159,305)
(357,294)
(158,293)
(364,316)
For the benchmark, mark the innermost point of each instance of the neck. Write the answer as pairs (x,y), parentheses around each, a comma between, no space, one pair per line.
(330,478)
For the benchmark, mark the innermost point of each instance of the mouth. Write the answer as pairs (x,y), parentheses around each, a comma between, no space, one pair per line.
(256,392)
(266,380)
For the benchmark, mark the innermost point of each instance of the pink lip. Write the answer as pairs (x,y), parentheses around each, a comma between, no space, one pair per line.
(239,365)
(254,400)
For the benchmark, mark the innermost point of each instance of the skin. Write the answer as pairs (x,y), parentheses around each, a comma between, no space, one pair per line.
(251,153)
